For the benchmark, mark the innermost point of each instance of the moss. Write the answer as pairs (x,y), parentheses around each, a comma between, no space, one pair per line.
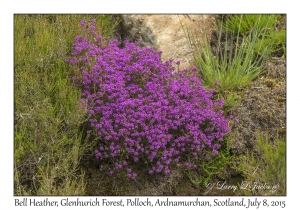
(282,132)
(280,99)
(271,83)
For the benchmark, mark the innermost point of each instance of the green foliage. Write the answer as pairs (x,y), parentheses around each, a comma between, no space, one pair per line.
(208,169)
(231,100)
(48,143)
(245,23)
(233,63)
(269,167)
(277,41)
(276,38)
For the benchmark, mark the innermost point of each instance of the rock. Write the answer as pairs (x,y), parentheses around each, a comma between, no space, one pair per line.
(165,33)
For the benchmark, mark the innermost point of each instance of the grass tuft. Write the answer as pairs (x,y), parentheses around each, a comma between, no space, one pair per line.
(231,61)
(274,36)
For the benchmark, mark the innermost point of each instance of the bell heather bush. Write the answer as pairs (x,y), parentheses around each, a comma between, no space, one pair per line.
(142,110)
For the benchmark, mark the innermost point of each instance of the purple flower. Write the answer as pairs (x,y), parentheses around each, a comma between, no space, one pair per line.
(167,171)
(83,23)
(215,152)
(140,107)
(168,161)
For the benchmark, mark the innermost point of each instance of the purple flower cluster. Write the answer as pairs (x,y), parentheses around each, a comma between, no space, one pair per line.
(142,109)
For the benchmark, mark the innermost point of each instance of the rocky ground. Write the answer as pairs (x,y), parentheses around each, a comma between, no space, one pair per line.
(262,108)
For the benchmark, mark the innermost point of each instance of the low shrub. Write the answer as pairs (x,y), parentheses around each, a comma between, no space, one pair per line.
(48,140)
(267,168)
(141,109)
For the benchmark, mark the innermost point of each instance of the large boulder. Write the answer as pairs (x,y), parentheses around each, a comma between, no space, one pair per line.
(165,33)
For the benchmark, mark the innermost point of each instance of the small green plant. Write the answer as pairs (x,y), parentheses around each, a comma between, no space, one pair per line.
(232,63)
(209,169)
(231,100)
(267,168)
(244,23)
(274,37)
(277,41)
